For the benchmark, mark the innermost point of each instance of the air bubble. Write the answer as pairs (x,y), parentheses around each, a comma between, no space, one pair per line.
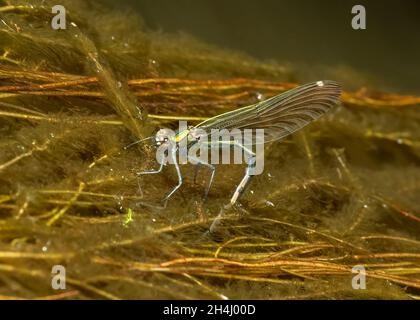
(269,203)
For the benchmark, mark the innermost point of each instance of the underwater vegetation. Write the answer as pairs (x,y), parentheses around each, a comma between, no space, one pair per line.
(340,193)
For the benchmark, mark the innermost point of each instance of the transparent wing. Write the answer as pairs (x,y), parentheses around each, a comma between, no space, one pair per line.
(283,114)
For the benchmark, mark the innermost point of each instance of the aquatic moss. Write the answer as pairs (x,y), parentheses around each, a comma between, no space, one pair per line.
(342,192)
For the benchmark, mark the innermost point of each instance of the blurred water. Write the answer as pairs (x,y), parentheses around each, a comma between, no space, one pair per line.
(306,33)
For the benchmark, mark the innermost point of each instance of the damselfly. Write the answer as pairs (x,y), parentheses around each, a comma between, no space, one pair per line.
(278,116)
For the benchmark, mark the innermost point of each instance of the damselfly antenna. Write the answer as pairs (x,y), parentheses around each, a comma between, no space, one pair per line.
(137,142)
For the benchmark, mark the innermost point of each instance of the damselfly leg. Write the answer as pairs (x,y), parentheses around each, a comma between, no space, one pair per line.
(162,164)
(151,171)
(210,166)
(241,187)
(247,177)
(178,172)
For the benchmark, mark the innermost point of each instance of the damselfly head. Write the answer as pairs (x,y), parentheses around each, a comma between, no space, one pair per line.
(163,135)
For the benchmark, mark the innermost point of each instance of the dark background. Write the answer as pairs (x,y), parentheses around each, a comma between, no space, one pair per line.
(303,32)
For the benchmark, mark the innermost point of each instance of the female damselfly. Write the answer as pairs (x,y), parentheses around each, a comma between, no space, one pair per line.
(278,116)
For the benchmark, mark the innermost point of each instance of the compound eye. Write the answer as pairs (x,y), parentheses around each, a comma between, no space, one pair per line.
(163,135)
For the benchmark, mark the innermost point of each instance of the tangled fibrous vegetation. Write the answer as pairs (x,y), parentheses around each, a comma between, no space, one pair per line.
(341,193)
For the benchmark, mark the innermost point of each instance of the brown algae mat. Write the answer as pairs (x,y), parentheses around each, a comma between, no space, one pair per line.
(341,193)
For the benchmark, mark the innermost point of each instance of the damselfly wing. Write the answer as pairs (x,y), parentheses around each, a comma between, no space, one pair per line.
(280,115)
